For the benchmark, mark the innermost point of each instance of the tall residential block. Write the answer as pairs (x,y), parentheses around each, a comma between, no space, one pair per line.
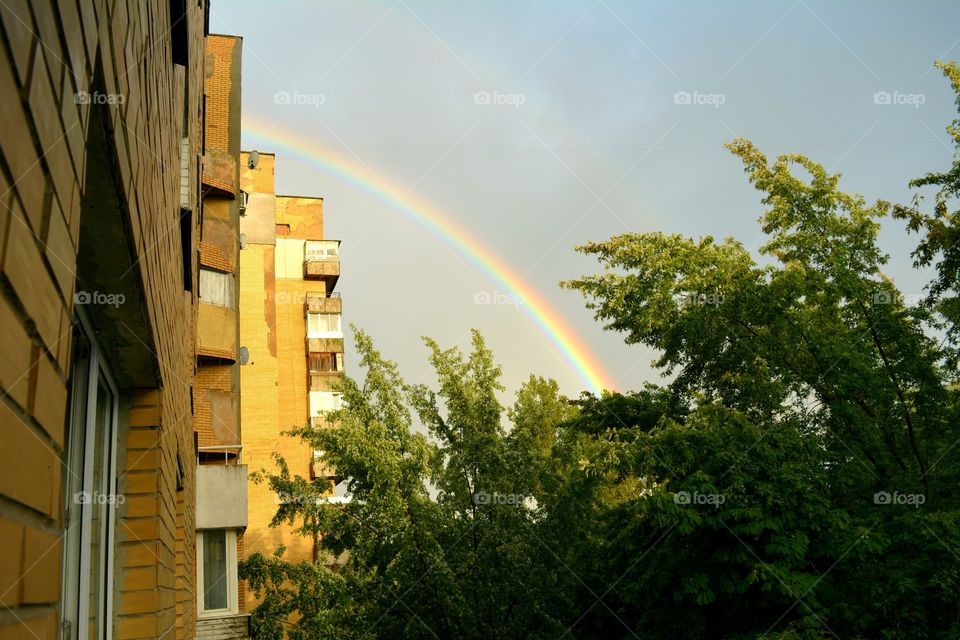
(106,351)
(221,514)
(290,324)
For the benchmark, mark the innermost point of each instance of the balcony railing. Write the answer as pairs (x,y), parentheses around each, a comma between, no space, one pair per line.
(227,450)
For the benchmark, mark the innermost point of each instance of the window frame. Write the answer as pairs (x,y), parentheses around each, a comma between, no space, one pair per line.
(89,372)
(320,250)
(233,605)
(316,332)
(231,287)
(313,398)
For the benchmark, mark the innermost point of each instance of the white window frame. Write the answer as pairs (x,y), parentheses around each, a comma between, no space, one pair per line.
(233,605)
(320,249)
(89,371)
(227,286)
(336,396)
(313,325)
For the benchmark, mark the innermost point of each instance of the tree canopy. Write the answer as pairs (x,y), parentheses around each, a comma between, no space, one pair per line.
(795,478)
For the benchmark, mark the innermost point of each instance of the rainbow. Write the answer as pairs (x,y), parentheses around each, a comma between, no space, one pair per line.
(572,349)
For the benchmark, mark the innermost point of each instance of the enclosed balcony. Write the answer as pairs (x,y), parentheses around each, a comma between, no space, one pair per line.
(222,494)
(321,261)
(324,371)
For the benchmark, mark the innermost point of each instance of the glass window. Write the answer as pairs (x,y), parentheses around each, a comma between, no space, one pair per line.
(214,569)
(216,288)
(90,493)
(217,591)
(323,362)
(320,249)
(323,325)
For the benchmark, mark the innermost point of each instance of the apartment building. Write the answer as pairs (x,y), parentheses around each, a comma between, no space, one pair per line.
(221,514)
(290,326)
(110,352)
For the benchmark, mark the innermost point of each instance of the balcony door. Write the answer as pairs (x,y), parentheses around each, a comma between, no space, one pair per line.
(90,493)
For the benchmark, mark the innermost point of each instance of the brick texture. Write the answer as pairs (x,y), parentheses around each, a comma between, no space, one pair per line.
(49,61)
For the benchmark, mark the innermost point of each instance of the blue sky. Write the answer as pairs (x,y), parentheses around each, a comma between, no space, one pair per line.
(605,117)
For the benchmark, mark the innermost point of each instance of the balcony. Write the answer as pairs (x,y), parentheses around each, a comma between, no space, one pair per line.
(221,496)
(323,380)
(321,261)
(319,303)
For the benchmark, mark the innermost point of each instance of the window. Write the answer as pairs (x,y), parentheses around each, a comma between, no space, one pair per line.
(216,288)
(324,362)
(90,490)
(186,247)
(321,249)
(321,401)
(323,325)
(217,572)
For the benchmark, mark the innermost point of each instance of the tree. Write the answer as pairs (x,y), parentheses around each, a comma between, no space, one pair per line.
(795,478)
(846,393)
(439,538)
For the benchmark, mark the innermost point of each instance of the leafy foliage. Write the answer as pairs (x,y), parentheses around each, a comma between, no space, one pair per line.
(795,478)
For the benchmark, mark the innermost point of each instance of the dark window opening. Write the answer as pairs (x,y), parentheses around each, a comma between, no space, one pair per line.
(321,362)
(179,32)
(186,247)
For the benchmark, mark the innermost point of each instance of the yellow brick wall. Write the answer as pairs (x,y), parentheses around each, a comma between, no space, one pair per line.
(274,386)
(43,164)
(259,179)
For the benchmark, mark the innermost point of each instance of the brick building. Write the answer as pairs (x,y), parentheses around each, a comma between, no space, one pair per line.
(101,364)
(221,475)
(290,324)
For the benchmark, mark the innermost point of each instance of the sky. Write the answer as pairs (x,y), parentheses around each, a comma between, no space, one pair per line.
(464,149)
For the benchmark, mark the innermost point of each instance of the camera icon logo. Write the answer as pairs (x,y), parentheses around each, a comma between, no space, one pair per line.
(882,97)
(682,97)
(82,297)
(482,97)
(882,297)
(882,497)
(481,497)
(482,297)
(681,497)
(281,97)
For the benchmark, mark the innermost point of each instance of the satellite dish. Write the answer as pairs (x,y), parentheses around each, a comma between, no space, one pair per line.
(253,159)
(244,355)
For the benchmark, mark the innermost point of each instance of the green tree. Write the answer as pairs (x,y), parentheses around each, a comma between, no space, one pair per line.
(818,397)
(439,538)
(795,478)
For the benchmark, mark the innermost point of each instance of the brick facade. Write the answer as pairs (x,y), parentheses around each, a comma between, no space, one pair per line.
(97,99)
(275,386)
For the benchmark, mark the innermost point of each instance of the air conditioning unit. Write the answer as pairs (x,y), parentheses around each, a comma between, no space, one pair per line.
(243,202)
